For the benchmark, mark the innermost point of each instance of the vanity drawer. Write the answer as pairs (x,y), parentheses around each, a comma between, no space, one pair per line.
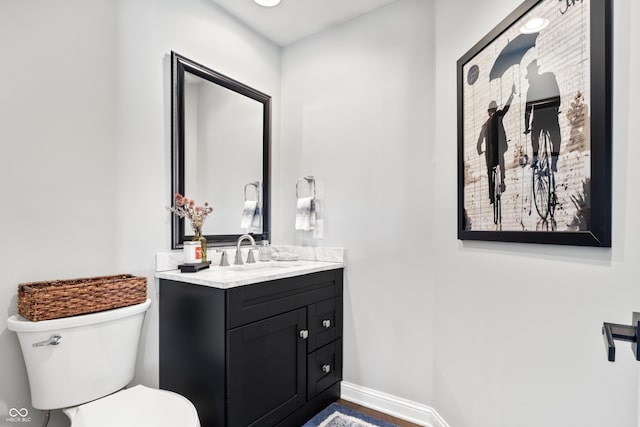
(248,304)
(325,322)
(324,368)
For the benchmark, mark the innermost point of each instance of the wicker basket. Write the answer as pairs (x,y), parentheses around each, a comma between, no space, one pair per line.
(63,298)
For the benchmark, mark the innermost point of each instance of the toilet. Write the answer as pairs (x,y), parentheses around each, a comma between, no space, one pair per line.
(81,364)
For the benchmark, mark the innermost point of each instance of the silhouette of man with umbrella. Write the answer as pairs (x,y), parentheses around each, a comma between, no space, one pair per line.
(541,111)
(495,138)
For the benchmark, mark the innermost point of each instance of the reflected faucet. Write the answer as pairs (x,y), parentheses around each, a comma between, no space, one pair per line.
(250,258)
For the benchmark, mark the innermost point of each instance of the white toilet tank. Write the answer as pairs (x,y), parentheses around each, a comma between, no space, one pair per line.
(95,354)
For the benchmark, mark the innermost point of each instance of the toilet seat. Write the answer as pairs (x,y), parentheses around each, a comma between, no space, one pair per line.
(136,407)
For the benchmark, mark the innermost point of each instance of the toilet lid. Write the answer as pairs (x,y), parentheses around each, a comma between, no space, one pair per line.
(136,407)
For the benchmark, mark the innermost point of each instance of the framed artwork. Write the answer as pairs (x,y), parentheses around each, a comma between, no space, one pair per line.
(534,127)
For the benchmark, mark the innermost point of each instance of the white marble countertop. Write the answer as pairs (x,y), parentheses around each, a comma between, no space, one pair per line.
(233,276)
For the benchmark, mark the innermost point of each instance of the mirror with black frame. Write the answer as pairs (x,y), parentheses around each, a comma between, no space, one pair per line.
(221,134)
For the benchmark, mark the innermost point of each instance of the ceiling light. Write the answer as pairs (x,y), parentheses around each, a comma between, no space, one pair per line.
(534,25)
(267,3)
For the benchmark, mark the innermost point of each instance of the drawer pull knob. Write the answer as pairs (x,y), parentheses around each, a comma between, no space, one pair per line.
(304,334)
(326,368)
(326,323)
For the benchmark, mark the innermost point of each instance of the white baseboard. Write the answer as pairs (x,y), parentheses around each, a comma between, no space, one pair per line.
(398,407)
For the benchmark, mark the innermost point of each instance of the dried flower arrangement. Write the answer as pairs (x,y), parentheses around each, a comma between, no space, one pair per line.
(187,208)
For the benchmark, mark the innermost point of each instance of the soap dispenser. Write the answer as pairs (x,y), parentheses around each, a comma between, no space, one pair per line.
(264,253)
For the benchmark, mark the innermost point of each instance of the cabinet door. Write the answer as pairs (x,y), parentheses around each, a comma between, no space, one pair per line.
(324,368)
(325,322)
(267,365)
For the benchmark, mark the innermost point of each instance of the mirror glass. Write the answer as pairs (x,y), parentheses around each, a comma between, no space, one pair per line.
(221,139)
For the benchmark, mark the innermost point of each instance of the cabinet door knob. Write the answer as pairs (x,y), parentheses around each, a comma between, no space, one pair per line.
(326,323)
(304,334)
(326,368)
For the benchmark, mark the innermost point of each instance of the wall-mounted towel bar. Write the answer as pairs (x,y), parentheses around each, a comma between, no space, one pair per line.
(252,210)
(629,333)
(255,184)
(311,182)
(306,216)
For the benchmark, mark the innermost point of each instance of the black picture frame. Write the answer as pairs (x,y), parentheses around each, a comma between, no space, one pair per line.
(590,223)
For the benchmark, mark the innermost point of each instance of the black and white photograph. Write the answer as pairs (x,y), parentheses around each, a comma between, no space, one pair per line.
(526,143)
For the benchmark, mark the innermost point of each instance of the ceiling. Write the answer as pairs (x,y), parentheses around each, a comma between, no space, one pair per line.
(293,20)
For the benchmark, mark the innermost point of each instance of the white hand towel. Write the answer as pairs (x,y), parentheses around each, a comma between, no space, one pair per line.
(312,215)
(256,223)
(305,214)
(248,213)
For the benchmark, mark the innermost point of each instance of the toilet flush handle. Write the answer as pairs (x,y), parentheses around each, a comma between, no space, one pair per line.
(53,340)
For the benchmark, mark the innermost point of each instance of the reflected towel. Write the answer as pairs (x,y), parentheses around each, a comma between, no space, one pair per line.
(305,213)
(256,223)
(249,213)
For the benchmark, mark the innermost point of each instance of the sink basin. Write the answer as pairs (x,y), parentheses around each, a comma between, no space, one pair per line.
(261,266)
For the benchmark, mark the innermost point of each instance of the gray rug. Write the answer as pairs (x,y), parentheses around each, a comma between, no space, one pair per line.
(336,415)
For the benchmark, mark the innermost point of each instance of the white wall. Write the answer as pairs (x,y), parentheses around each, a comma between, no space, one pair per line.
(358,115)
(514,347)
(85,121)
(57,116)
(148,30)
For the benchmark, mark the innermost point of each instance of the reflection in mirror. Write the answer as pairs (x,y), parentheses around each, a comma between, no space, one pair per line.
(220,125)
(221,135)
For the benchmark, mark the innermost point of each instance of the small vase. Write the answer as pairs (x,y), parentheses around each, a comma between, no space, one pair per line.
(203,243)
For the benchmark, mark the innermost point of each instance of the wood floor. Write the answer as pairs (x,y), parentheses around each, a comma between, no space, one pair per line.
(376,414)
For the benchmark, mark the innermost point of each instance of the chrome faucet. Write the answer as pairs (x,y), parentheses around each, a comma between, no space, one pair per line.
(250,258)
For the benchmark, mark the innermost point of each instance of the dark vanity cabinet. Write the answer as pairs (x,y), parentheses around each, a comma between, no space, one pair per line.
(265,354)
